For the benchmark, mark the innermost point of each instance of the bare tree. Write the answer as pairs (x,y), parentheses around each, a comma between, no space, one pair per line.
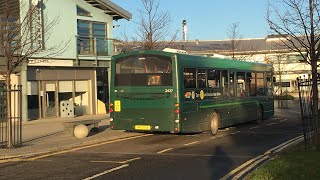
(153,26)
(298,24)
(22,29)
(279,64)
(234,36)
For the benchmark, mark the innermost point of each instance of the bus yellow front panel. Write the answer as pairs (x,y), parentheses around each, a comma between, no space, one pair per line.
(117,106)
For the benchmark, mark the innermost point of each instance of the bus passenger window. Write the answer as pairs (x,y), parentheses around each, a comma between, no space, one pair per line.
(251,83)
(213,78)
(225,83)
(189,77)
(240,86)
(232,84)
(202,78)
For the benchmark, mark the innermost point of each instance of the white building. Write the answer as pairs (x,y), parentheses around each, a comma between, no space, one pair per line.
(75,59)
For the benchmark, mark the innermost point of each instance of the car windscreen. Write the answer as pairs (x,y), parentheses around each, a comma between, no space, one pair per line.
(143,70)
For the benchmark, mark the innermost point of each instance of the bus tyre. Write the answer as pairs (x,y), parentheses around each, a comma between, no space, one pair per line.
(259,115)
(214,124)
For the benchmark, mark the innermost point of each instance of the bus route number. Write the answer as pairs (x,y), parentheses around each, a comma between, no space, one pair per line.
(168,90)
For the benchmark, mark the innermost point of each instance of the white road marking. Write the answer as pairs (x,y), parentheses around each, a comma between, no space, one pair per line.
(284,120)
(194,142)
(255,127)
(117,162)
(218,136)
(106,172)
(271,124)
(165,150)
(235,132)
(130,160)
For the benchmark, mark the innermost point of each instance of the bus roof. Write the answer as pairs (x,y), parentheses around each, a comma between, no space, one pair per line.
(187,60)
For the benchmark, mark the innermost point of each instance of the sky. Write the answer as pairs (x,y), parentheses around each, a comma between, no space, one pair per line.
(206,19)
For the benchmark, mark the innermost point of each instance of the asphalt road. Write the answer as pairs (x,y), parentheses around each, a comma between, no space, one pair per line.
(160,156)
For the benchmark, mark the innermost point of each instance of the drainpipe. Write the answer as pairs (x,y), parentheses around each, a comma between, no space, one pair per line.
(24,103)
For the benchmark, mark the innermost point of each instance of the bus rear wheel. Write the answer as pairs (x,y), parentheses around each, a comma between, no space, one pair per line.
(259,115)
(214,123)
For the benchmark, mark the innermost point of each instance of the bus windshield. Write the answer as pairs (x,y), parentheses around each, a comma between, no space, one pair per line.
(143,70)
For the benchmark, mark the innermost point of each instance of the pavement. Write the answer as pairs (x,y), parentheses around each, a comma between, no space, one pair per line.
(47,135)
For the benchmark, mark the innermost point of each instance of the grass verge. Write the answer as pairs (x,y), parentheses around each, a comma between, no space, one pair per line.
(294,163)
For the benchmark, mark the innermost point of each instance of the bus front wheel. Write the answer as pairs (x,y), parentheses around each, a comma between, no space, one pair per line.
(214,123)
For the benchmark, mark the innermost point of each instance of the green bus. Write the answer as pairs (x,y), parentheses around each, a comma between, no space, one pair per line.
(157,91)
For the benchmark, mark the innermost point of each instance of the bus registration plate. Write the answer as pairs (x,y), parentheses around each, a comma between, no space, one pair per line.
(142,127)
(117,106)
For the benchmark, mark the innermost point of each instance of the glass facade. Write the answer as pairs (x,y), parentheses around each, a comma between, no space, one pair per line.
(92,38)
(44,97)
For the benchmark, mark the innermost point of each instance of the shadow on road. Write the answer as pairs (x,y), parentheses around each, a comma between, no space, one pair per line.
(217,167)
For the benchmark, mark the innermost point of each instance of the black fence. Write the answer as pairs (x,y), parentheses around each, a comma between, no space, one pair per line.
(10,116)
(306,106)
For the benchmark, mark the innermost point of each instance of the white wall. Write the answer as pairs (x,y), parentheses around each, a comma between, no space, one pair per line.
(65,31)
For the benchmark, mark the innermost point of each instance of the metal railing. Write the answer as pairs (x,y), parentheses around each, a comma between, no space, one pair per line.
(96,46)
(306,106)
(10,126)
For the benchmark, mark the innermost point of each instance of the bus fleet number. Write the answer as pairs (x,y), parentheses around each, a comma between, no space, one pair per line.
(168,90)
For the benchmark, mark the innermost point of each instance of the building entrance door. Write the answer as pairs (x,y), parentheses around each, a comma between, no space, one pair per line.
(49,99)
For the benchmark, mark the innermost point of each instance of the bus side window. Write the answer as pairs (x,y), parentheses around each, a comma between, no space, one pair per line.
(213,78)
(251,80)
(240,86)
(225,83)
(201,78)
(214,82)
(189,77)
(232,84)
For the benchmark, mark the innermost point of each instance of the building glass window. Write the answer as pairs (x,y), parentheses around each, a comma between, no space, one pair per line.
(269,84)
(81,99)
(261,84)
(82,12)
(65,91)
(33,99)
(92,38)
